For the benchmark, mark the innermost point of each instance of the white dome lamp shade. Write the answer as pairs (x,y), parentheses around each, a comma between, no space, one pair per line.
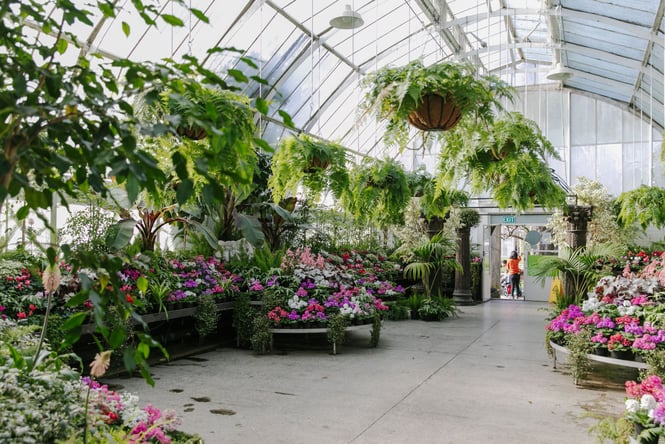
(560,73)
(348,19)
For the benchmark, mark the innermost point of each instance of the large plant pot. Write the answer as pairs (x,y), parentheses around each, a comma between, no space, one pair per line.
(435,113)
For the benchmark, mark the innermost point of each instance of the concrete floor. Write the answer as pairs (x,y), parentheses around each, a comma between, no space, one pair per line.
(482,377)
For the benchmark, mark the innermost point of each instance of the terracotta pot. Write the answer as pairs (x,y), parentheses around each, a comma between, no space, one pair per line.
(435,113)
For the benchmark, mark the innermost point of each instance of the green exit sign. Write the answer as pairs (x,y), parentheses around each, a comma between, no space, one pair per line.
(508,219)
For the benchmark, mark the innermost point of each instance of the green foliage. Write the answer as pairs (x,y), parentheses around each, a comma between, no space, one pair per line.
(615,430)
(508,157)
(437,308)
(261,336)
(243,319)
(266,259)
(316,165)
(432,257)
(655,360)
(398,311)
(579,346)
(376,329)
(468,217)
(206,317)
(336,332)
(393,93)
(87,229)
(643,205)
(378,192)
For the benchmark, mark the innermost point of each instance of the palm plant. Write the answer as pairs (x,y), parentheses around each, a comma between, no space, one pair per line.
(432,257)
(578,268)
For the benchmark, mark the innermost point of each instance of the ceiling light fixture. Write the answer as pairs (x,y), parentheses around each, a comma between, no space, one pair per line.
(560,72)
(348,19)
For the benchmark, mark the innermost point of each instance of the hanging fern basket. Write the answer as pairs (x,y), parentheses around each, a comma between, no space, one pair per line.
(435,113)
(191,132)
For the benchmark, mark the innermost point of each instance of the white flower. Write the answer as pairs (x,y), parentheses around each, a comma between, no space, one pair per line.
(632,405)
(590,304)
(648,402)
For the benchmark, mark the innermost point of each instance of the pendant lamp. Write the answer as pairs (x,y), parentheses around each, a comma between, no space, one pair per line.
(348,19)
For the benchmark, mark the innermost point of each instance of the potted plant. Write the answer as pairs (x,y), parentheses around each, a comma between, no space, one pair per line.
(432,98)
(507,157)
(432,257)
(378,191)
(315,164)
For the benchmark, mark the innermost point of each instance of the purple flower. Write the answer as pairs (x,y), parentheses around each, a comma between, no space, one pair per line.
(190,284)
(301,292)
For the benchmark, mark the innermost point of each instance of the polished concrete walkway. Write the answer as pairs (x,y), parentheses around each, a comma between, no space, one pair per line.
(483,377)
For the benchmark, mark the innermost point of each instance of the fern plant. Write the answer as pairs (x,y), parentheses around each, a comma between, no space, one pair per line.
(393,93)
(378,192)
(315,164)
(507,157)
(643,205)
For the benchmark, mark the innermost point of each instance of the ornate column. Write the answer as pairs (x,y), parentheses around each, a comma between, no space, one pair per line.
(462,294)
(577,217)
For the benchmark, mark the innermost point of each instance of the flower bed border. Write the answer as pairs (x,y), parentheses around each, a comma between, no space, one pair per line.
(168,316)
(274,331)
(604,359)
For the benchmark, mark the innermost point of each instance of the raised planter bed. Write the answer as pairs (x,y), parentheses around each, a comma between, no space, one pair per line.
(321,330)
(168,316)
(604,359)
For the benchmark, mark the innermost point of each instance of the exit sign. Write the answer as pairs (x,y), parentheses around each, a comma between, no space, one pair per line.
(508,219)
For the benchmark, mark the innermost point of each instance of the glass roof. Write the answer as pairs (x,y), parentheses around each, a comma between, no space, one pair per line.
(614,49)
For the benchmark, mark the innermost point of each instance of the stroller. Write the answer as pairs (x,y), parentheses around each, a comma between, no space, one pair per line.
(506,287)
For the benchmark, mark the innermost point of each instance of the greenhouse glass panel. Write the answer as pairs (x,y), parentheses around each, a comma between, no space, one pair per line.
(608,169)
(636,168)
(582,163)
(582,120)
(556,116)
(608,121)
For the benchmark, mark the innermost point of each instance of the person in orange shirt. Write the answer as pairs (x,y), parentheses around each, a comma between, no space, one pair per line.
(513,266)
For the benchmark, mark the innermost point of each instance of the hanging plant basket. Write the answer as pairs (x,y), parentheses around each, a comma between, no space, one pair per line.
(317,163)
(435,113)
(192,132)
